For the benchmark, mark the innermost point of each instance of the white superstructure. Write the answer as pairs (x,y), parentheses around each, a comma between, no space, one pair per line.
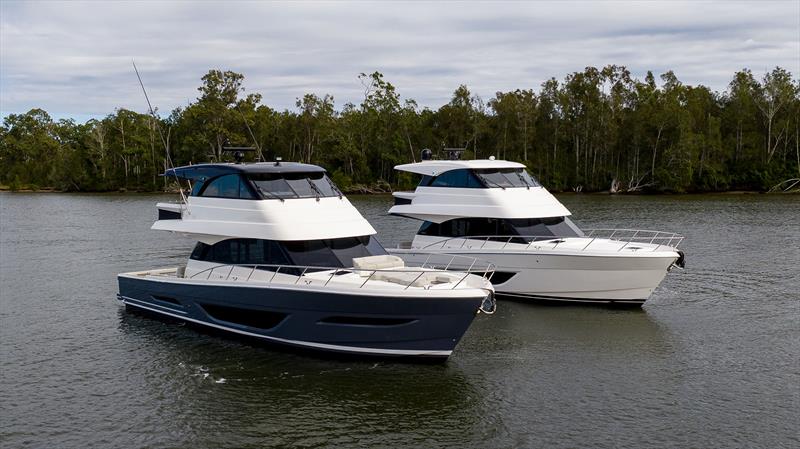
(494,210)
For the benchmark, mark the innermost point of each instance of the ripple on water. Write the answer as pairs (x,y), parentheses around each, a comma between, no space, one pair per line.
(710,361)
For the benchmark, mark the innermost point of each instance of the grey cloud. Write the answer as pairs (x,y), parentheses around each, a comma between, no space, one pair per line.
(74,58)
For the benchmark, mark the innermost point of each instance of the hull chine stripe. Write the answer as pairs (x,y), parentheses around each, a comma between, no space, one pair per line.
(325,346)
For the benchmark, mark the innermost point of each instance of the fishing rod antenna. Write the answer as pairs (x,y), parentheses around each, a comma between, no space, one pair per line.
(160,133)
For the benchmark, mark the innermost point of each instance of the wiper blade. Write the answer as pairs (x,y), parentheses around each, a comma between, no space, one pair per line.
(314,188)
(266,192)
(522,178)
(487,180)
(333,186)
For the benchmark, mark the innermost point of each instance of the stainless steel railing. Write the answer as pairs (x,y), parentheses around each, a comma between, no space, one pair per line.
(401,276)
(625,236)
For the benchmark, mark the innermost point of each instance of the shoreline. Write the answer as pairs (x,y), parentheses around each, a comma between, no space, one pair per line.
(370,192)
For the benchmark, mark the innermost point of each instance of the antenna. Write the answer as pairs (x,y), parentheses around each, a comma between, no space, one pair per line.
(161,134)
(252,136)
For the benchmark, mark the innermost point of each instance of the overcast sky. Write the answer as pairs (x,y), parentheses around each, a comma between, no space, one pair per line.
(74,59)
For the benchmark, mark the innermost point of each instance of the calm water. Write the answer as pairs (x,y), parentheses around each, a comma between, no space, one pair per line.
(713,359)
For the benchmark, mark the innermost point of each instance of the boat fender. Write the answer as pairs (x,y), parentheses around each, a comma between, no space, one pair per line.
(681,261)
(489,304)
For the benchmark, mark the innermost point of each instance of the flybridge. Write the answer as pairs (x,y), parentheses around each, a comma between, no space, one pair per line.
(257,181)
(206,171)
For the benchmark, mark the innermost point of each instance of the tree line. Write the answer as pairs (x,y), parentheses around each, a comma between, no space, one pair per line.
(598,129)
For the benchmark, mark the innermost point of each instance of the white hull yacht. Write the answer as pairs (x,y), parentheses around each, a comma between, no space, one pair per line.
(495,211)
(283,257)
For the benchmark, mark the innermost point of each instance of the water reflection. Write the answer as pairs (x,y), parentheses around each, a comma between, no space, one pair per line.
(291,397)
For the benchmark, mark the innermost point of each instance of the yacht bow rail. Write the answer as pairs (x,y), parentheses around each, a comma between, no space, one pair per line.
(625,236)
(425,275)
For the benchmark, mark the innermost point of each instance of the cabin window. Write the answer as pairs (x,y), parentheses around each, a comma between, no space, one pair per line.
(538,227)
(322,253)
(425,181)
(227,186)
(241,251)
(545,227)
(332,252)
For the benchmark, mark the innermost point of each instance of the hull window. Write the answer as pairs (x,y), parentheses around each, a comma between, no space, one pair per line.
(501,277)
(259,319)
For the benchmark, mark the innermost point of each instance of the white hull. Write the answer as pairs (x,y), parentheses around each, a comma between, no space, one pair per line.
(603,278)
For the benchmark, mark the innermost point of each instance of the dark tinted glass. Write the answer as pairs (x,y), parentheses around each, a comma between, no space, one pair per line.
(241,251)
(502,228)
(506,177)
(348,248)
(200,251)
(245,191)
(311,253)
(457,178)
(544,227)
(324,184)
(272,186)
(197,187)
(322,253)
(223,187)
(294,185)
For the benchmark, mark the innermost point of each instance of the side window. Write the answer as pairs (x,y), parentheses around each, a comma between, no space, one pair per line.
(245,191)
(226,186)
(200,251)
(311,253)
(462,178)
(241,251)
(197,187)
(430,228)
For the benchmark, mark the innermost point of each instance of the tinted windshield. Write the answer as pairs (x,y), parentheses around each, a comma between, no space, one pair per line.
(332,252)
(293,185)
(506,177)
(544,227)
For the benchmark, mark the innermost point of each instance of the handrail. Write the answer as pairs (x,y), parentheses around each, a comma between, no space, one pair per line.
(624,236)
(306,272)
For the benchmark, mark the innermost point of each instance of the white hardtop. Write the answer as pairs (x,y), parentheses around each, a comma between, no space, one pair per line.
(439,204)
(437,167)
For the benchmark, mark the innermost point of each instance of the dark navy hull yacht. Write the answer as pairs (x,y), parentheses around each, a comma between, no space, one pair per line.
(283,257)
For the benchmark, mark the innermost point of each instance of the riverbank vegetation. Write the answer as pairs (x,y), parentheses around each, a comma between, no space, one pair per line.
(599,129)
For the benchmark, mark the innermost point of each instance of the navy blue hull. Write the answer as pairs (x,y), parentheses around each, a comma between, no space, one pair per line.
(344,323)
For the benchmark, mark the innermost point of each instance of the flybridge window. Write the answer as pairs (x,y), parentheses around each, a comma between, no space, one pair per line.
(227,186)
(487,227)
(481,178)
(506,177)
(293,185)
(462,178)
